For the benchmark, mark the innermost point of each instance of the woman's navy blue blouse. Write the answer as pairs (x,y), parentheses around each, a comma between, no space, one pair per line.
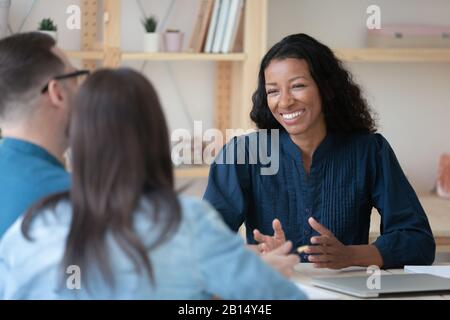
(349,175)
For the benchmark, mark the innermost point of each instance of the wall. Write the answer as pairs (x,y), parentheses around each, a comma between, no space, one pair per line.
(412,100)
(55,9)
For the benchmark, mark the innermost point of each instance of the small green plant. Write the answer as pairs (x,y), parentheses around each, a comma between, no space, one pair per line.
(150,24)
(47,25)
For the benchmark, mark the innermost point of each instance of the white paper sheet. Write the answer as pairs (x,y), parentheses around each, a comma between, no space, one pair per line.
(440,271)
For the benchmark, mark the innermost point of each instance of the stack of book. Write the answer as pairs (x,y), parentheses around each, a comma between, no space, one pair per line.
(219,27)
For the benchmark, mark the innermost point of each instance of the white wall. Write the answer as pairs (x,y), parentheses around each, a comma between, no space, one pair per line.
(412,100)
(54,9)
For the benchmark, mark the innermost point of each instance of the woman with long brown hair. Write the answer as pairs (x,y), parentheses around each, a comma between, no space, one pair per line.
(122,232)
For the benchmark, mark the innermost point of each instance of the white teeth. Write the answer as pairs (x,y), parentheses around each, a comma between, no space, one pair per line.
(290,116)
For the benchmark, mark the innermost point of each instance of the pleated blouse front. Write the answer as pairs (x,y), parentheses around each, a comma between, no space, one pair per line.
(349,175)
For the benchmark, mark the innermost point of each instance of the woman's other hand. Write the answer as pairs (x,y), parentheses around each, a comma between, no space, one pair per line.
(281,260)
(269,243)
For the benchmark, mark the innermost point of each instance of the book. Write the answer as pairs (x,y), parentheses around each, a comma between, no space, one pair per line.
(238,37)
(231,25)
(199,33)
(212,26)
(221,24)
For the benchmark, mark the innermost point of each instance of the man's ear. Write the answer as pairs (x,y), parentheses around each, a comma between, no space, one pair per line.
(55,92)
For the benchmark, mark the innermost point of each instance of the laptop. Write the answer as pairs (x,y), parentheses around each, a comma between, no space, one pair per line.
(389,284)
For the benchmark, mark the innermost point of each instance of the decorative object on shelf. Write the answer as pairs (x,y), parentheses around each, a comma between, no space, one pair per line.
(151,37)
(443,179)
(4,13)
(173,40)
(194,152)
(409,36)
(47,26)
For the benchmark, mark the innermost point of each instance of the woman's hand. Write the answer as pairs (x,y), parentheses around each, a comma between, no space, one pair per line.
(281,260)
(269,243)
(326,250)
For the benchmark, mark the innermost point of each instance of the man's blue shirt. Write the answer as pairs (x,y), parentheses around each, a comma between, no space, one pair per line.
(27,174)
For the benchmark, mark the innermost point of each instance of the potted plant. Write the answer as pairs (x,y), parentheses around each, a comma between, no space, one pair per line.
(173,40)
(4,12)
(49,27)
(151,38)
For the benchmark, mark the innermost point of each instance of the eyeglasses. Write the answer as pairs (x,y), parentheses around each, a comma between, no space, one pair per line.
(74,74)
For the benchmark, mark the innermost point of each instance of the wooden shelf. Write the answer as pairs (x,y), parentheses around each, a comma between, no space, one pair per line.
(193,172)
(346,54)
(393,54)
(165,56)
(86,55)
(159,56)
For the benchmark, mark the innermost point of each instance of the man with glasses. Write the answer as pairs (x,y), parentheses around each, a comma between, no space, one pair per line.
(37,83)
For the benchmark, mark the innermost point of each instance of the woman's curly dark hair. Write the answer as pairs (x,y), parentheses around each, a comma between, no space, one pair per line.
(343,105)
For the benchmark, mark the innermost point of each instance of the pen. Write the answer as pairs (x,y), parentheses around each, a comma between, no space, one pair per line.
(301,249)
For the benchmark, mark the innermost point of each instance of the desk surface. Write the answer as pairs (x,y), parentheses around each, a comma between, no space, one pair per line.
(305,272)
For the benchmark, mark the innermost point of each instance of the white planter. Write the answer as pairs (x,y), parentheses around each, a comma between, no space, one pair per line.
(53,34)
(151,42)
(4,13)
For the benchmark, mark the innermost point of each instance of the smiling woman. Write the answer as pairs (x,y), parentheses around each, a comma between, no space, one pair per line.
(294,100)
(334,168)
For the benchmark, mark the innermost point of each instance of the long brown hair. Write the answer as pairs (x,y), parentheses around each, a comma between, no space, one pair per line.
(120,152)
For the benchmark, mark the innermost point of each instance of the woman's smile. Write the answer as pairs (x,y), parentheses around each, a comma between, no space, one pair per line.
(292,118)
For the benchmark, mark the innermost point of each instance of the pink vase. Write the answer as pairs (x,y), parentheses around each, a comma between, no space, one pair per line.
(443,181)
(173,41)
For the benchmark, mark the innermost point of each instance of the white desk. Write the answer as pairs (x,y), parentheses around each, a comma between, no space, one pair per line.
(305,272)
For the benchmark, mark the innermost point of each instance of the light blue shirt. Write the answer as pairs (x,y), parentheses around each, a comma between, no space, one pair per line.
(201,259)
